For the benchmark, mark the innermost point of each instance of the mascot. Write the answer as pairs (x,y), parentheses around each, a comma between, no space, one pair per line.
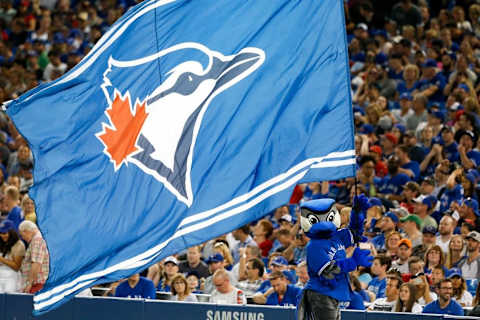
(328,265)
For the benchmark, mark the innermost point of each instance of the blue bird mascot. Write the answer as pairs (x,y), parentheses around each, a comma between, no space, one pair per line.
(328,265)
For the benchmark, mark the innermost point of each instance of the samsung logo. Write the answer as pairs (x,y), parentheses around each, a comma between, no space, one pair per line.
(234,315)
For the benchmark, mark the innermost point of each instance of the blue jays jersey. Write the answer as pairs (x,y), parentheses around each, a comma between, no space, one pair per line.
(320,253)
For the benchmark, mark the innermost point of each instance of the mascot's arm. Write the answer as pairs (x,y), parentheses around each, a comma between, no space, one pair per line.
(357,217)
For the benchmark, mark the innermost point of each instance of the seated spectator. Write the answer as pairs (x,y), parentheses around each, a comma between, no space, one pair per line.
(136,287)
(422,206)
(302,274)
(406,299)
(471,266)
(445,304)
(445,229)
(429,240)
(434,257)
(35,265)
(262,234)
(242,235)
(387,225)
(411,225)
(422,289)
(12,252)
(456,252)
(194,263)
(170,266)
(193,281)
(283,294)
(222,248)
(379,268)
(356,302)
(239,270)
(225,292)
(391,244)
(28,209)
(215,262)
(438,274)
(277,263)
(255,269)
(404,253)
(460,292)
(181,290)
(391,187)
(407,166)
(391,295)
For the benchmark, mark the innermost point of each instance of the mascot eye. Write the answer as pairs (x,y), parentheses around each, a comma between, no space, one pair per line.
(312,219)
(331,216)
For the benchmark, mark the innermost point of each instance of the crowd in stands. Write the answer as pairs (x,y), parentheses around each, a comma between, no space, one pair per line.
(414,68)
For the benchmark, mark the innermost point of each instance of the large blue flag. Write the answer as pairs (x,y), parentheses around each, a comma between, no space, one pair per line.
(186,120)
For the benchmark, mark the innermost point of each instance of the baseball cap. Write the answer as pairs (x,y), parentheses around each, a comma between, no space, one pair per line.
(474,235)
(217,257)
(406,242)
(290,277)
(424,200)
(454,272)
(429,229)
(413,218)
(464,87)
(392,216)
(472,203)
(406,95)
(6,225)
(430,63)
(376,149)
(285,217)
(400,127)
(279,261)
(373,201)
(402,212)
(390,136)
(362,26)
(468,133)
(438,115)
(366,128)
(171,259)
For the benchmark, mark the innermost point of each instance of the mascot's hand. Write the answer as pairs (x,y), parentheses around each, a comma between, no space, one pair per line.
(360,203)
(358,213)
(362,257)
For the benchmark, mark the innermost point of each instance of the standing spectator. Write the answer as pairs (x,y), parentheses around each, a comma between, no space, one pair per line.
(181,290)
(446,228)
(255,269)
(194,263)
(225,292)
(35,265)
(445,304)
(471,266)
(283,294)
(404,253)
(242,235)
(11,199)
(136,287)
(460,292)
(379,268)
(391,295)
(406,299)
(12,252)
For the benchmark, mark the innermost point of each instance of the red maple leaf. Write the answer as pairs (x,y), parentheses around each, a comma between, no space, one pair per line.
(121,136)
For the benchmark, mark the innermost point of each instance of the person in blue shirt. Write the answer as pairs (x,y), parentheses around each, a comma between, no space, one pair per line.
(328,265)
(432,82)
(445,304)
(470,159)
(391,186)
(283,294)
(136,287)
(450,147)
(407,166)
(378,284)
(15,214)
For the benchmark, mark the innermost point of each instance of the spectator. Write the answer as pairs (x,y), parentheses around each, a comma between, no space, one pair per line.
(445,229)
(405,13)
(11,199)
(419,115)
(302,273)
(438,274)
(404,253)
(194,263)
(406,299)
(445,304)
(262,233)
(469,210)
(407,166)
(434,257)
(136,287)
(456,252)
(411,225)
(379,268)
(392,242)
(181,290)
(391,295)
(28,209)
(225,292)
(170,265)
(283,294)
(475,312)
(193,281)
(460,292)
(471,266)
(423,295)
(215,262)
(222,248)
(470,158)
(242,235)
(422,205)
(255,269)
(277,263)
(429,240)
(12,252)
(35,265)
(387,225)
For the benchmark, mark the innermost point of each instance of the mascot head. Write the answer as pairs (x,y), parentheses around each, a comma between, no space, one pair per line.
(321,210)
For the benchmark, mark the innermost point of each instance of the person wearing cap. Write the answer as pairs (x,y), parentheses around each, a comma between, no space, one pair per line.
(444,304)
(170,266)
(11,257)
(432,82)
(419,115)
(460,292)
(469,210)
(471,266)
(450,146)
(136,287)
(411,225)
(429,239)
(277,263)
(215,262)
(422,206)
(407,166)
(388,142)
(404,252)
(470,158)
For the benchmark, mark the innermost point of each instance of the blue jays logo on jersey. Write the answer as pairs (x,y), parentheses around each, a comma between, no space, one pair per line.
(158,132)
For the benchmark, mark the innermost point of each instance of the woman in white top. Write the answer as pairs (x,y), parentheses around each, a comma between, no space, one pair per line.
(181,290)
(460,292)
(12,252)
(406,299)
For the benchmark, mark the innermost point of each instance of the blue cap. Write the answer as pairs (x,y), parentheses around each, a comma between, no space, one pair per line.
(428,200)
(464,87)
(430,63)
(217,257)
(429,229)
(474,173)
(318,205)
(280,261)
(366,128)
(290,277)
(400,127)
(454,272)
(392,216)
(382,33)
(374,202)
(406,95)
(6,225)
(438,115)
(472,203)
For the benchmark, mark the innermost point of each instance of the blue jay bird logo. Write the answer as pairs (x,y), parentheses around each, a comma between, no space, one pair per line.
(158,134)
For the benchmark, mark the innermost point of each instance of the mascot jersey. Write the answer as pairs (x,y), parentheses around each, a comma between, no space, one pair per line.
(326,245)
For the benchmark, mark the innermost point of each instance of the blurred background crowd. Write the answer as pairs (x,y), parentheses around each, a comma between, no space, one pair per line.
(414,68)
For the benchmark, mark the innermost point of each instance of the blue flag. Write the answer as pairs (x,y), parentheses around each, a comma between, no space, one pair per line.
(186,120)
